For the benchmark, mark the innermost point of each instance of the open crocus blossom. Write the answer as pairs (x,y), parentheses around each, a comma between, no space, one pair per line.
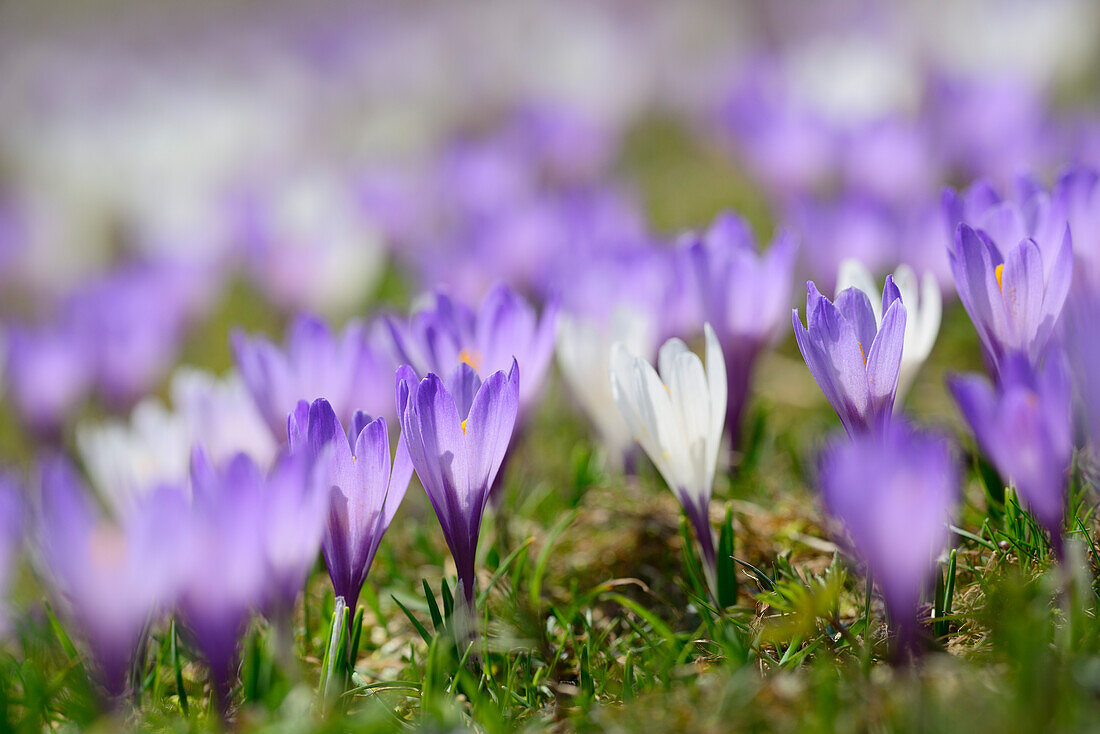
(923,310)
(505,327)
(745,295)
(457,434)
(676,415)
(855,361)
(107,573)
(893,492)
(584,355)
(343,368)
(1013,302)
(365,487)
(1024,424)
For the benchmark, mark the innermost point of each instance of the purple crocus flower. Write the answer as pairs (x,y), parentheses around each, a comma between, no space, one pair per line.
(855,362)
(504,327)
(457,434)
(49,373)
(744,296)
(107,573)
(1014,305)
(366,487)
(12,509)
(224,571)
(894,493)
(344,368)
(1081,336)
(1024,424)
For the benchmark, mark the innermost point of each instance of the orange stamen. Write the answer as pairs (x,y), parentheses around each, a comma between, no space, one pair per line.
(1000,269)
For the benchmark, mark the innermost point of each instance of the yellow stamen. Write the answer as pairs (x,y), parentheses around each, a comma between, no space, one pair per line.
(862,353)
(1000,269)
(463,426)
(471,357)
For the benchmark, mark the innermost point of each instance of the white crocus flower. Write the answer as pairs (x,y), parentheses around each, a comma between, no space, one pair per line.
(127,459)
(677,416)
(584,355)
(923,306)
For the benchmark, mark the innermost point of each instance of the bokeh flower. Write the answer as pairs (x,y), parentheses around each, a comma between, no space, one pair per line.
(893,492)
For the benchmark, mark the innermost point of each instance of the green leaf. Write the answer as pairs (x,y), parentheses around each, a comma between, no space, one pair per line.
(433,608)
(178,669)
(727,567)
(544,556)
(415,622)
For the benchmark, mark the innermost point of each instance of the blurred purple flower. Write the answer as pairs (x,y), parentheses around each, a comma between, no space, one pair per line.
(894,493)
(366,487)
(1075,199)
(12,510)
(855,362)
(49,372)
(745,295)
(1024,425)
(504,328)
(1081,337)
(1013,305)
(109,574)
(344,368)
(457,434)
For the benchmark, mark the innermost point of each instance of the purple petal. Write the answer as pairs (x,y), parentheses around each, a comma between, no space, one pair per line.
(856,309)
(489,427)
(1022,286)
(884,359)
(463,384)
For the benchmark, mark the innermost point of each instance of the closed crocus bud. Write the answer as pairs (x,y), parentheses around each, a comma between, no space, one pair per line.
(893,493)
(584,355)
(1024,424)
(1013,296)
(364,487)
(854,360)
(457,433)
(923,311)
(676,415)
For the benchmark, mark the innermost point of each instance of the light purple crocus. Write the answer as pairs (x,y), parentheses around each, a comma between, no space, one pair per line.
(1081,336)
(504,327)
(364,487)
(745,295)
(1013,302)
(1024,424)
(893,492)
(345,368)
(49,373)
(107,573)
(854,361)
(457,434)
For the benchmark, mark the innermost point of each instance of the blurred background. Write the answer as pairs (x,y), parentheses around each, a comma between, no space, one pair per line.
(170,169)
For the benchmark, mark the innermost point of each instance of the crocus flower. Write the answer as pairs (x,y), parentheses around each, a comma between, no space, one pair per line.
(366,487)
(106,572)
(855,361)
(344,368)
(1013,303)
(744,296)
(676,416)
(923,307)
(457,434)
(225,572)
(893,492)
(1024,424)
(12,510)
(1081,336)
(125,459)
(504,327)
(49,373)
(584,355)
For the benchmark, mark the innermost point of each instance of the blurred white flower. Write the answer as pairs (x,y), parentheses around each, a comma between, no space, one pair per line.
(584,355)
(923,306)
(124,460)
